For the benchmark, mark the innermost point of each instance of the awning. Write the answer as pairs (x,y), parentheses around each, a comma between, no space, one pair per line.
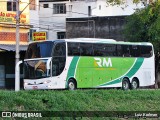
(11,46)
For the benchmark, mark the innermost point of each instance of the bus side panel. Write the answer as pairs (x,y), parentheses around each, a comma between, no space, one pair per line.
(120,68)
(146,74)
(84,73)
(71,68)
(101,71)
(108,72)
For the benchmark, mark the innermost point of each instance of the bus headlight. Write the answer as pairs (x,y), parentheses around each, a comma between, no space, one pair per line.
(25,83)
(45,82)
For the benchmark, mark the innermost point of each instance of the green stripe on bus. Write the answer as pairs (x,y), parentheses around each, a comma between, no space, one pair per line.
(133,70)
(112,82)
(72,67)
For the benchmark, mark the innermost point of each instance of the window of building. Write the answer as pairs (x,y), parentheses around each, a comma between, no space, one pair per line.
(32,5)
(89,10)
(61,35)
(30,33)
(11,6)
(45,6)
(59,8)
(70,10)
(99,7)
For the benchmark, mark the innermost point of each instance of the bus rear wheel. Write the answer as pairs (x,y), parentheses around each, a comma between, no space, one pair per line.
(134,84)
(72,84)
(125,84)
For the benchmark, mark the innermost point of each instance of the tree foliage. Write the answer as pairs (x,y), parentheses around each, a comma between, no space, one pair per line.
(120,2)
(144,25)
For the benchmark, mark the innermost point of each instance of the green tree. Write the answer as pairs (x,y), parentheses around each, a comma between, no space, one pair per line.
(120,2)
(144,26)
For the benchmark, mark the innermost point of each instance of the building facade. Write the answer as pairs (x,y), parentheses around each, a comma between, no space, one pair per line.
(109,27)
(8,38)
(53,13)
(33,17)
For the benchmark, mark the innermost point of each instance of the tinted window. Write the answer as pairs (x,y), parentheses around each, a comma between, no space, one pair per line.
(135,51)
(146,51)
(111,50)
(119,50)
(59,58)
(86,49)
(125,50)
(104,49)
(99,50)
(39,50)
(59,49)
(34,69)
(73,49)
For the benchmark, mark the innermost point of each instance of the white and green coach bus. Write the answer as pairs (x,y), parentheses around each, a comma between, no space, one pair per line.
(88,63)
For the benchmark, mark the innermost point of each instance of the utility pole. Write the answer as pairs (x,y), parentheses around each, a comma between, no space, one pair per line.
(17,56)
(17,85)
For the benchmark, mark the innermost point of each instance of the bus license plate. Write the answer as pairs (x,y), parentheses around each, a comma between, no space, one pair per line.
(35,87)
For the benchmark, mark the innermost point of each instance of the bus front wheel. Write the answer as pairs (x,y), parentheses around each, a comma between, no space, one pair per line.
(71,84)
(125,84)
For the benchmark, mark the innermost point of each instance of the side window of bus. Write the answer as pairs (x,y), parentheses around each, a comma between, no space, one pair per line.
(29,53)
(99,50)
(73,49)
(119,51)
(58,59)
(33,51)
(104,50)
(146,51)
(60,49)
(134,50)
(110,50)
(125,50)
(86,49)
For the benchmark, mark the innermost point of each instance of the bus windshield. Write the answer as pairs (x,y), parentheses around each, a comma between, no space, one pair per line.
(39,50)
(36,69)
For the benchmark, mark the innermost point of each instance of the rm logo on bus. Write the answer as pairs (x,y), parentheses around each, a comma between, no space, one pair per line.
(102,62)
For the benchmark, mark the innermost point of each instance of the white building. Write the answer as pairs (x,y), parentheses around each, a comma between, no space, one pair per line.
(53,13)
(34,16)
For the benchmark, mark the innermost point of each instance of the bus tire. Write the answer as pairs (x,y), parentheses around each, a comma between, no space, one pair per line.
(125,84)
(72,84)
(134,83)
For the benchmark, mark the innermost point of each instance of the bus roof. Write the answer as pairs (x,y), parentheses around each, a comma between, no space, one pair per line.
(96,40)
(90,40)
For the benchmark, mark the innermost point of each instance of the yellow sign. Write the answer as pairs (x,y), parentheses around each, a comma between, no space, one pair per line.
(36,36)
(10,17)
